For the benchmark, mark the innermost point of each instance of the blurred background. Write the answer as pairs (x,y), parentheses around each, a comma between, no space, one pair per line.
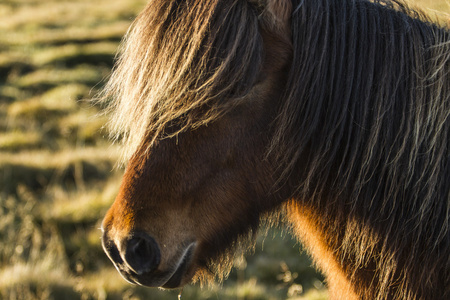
(57,174)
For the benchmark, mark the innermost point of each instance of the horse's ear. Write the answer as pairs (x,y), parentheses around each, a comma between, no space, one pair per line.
(276,15)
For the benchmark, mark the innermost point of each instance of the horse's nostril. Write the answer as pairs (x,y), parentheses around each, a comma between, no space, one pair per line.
(111,250)
(142,253)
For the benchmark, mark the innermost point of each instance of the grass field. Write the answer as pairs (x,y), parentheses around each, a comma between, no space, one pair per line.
(57,175)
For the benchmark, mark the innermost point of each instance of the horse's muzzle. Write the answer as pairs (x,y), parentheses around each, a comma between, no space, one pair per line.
(138,257)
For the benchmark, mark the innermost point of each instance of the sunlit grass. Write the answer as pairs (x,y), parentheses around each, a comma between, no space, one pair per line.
(249,289)
(89,205)
(431,6)
(313,295)
(51,77)
(27,281)
(63,98)
(32,272)
(61,159)
(33,15)
(438,10)
(56,36)
(70,54)
(84,127)
(11,141)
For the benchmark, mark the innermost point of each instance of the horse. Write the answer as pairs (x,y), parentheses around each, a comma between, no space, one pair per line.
(329,116)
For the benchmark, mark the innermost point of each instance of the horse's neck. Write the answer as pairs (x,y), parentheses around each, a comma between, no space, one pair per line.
(311,234)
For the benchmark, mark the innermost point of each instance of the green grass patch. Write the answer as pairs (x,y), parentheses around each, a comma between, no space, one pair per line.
(14,141)
(60,100)
(73,54)
(69,168)
(84,127)
(34,15)
(10,93)
(46,78)
(67,35)
(13,63)
(90,204)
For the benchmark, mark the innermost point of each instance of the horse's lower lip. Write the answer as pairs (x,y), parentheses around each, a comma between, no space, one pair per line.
(176,279)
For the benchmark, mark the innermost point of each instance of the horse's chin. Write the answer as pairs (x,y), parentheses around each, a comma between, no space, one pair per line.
(183,272)
(177,277)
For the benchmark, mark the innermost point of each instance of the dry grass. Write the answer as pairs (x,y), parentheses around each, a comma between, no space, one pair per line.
(441,7)
(11,141)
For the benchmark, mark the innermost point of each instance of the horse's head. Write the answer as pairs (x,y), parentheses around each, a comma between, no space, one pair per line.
(185,200)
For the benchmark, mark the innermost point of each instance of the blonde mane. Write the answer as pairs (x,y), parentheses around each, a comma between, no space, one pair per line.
(177,64)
